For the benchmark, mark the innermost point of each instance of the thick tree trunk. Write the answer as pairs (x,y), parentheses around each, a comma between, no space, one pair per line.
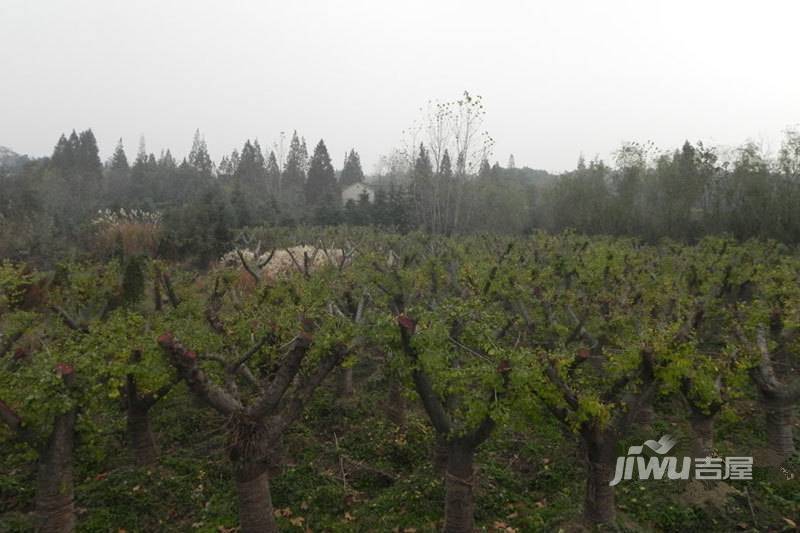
(55,508)
(599,504)
(703,433)
(140,436)
(439,457)
(780,440)
(255,502)
(276,457)
(459,502)
(646,415)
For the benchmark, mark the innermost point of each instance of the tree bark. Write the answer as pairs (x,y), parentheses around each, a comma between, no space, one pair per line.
(780,440)
(255,502)
(703,433)
(140,436)
(55,507)
(459,503)
(646,415)
(439,455)
(599,505)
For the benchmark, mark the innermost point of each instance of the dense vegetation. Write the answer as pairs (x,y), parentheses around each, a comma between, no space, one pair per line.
(377,381)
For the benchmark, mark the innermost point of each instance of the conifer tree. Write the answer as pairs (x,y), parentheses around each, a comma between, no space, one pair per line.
(273,175)
(119,161)
(198,156)
(141,155)
(321,185)
(250,169)
(87,158)
(351,172)
(75,144)
(166,161)
(63,157)
(294,175)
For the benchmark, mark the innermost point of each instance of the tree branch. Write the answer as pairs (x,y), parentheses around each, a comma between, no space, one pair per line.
(69,321)
(185,361)
(430,400)
(246,266)
(274,391)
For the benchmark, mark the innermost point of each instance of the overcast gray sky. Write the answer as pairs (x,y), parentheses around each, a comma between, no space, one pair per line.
(558,78)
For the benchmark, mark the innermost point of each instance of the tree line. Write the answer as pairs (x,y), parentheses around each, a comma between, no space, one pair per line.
(443,183)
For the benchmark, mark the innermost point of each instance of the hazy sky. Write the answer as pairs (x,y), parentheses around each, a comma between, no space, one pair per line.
(558,78)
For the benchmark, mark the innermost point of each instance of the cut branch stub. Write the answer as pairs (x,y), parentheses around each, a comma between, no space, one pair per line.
(185,361)
(407,323)
(504,367)
(66,372)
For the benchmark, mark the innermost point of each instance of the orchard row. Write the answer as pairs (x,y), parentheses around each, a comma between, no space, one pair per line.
(487,332)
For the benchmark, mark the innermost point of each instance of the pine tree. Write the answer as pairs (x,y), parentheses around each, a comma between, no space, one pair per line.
(166,161)
(250,170)
(321,185)
(198,156)
(294,176)
(273,173)
(351,171)
(445,167)
(141,155)
(119,161)
(63,157)
(224,167)
(303,155)
(228,165)
(88,158)
(75,145)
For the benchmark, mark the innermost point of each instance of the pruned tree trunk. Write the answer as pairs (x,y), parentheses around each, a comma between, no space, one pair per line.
(702,433)
(254,430)
(599,504)
(780,440)
(55,507)
(251,450)
(255,501)
(439,459)
(276,457)
(140,435)
(646,415)
(777,397)
(459,502)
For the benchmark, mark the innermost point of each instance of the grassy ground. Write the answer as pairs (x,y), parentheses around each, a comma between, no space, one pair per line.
(529,479)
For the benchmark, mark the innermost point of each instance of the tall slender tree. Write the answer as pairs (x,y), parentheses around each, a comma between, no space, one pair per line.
(321,186)
(119,161)
(294,175)
(198,156)
(351,171)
